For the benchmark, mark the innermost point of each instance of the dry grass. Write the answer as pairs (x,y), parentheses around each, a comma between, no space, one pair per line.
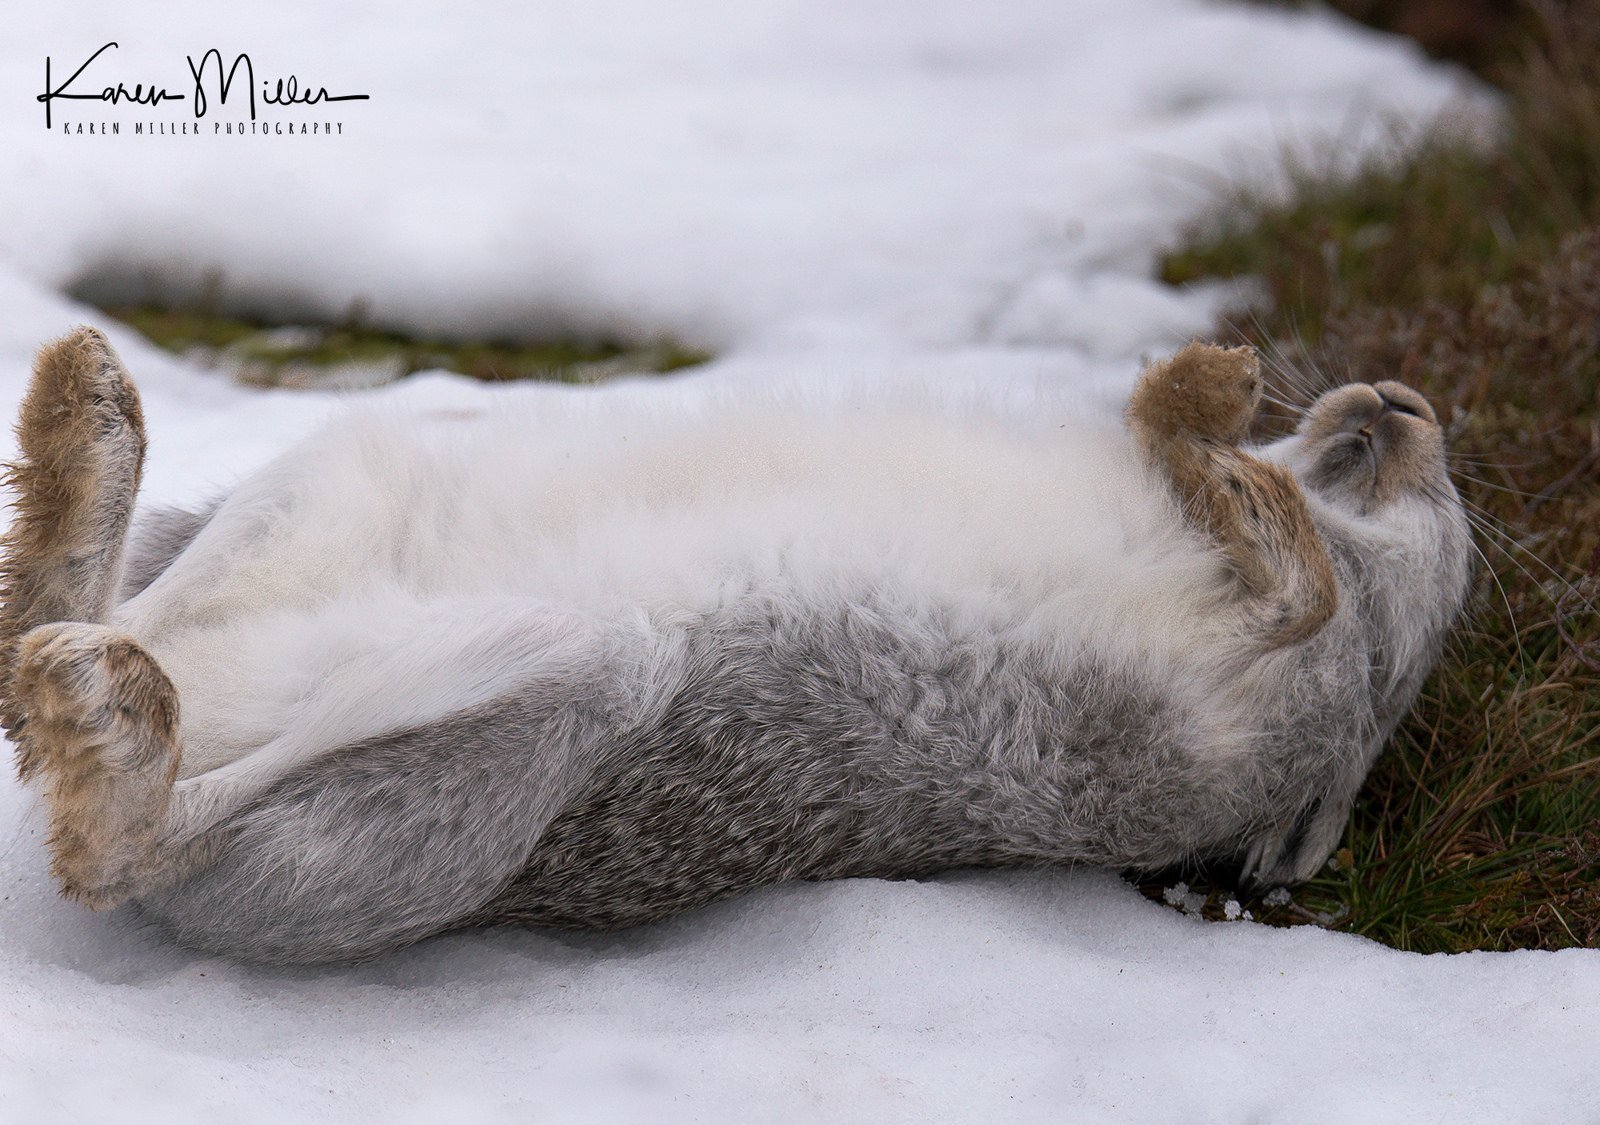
(1475,277)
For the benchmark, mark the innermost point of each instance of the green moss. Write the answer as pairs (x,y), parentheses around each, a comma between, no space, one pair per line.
(264,354)
(178,330)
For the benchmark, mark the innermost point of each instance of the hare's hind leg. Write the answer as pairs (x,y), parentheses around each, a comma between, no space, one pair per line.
(82,450)
(1188,414)
(93,718)
(401,836)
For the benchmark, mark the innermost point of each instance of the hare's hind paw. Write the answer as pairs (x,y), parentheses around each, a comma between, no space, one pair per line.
(82,441)
(80,393)
(101,736)
(1204,391)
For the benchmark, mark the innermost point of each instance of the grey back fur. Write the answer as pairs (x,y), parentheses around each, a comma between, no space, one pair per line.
(814,741)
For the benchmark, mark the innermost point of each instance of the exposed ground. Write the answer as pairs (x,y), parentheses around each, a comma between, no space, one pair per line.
(354,354)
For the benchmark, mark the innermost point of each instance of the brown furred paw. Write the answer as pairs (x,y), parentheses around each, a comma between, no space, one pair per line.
(101,741)
(80,394)
(74,483)
(1205,391)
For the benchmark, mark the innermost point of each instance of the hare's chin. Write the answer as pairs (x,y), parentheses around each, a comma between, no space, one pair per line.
(1347,463)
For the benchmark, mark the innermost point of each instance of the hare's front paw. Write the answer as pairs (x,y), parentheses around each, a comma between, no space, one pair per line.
(100,735)
(1204,391)
(1287,858)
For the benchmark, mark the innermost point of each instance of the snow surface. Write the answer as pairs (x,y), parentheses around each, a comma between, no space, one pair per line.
(957,193)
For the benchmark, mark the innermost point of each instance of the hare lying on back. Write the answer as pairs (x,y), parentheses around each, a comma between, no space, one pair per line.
(437,671)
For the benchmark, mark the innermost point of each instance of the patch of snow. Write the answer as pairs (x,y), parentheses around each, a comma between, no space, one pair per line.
(836,173)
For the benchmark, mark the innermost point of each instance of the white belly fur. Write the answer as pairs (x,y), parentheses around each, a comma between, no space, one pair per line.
(395,569)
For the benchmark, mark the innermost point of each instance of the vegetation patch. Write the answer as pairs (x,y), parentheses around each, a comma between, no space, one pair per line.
(350,355)
(1472,273)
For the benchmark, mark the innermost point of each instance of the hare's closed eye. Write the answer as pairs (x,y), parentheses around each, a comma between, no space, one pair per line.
(1401,399)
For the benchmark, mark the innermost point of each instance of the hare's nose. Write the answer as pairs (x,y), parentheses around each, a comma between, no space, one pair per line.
(1386,407)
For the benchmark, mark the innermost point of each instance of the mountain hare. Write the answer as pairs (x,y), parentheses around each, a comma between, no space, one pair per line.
(430,672)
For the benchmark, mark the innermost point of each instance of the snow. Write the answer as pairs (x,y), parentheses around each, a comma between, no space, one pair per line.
(1022,996)
(792,174)
(961,194)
